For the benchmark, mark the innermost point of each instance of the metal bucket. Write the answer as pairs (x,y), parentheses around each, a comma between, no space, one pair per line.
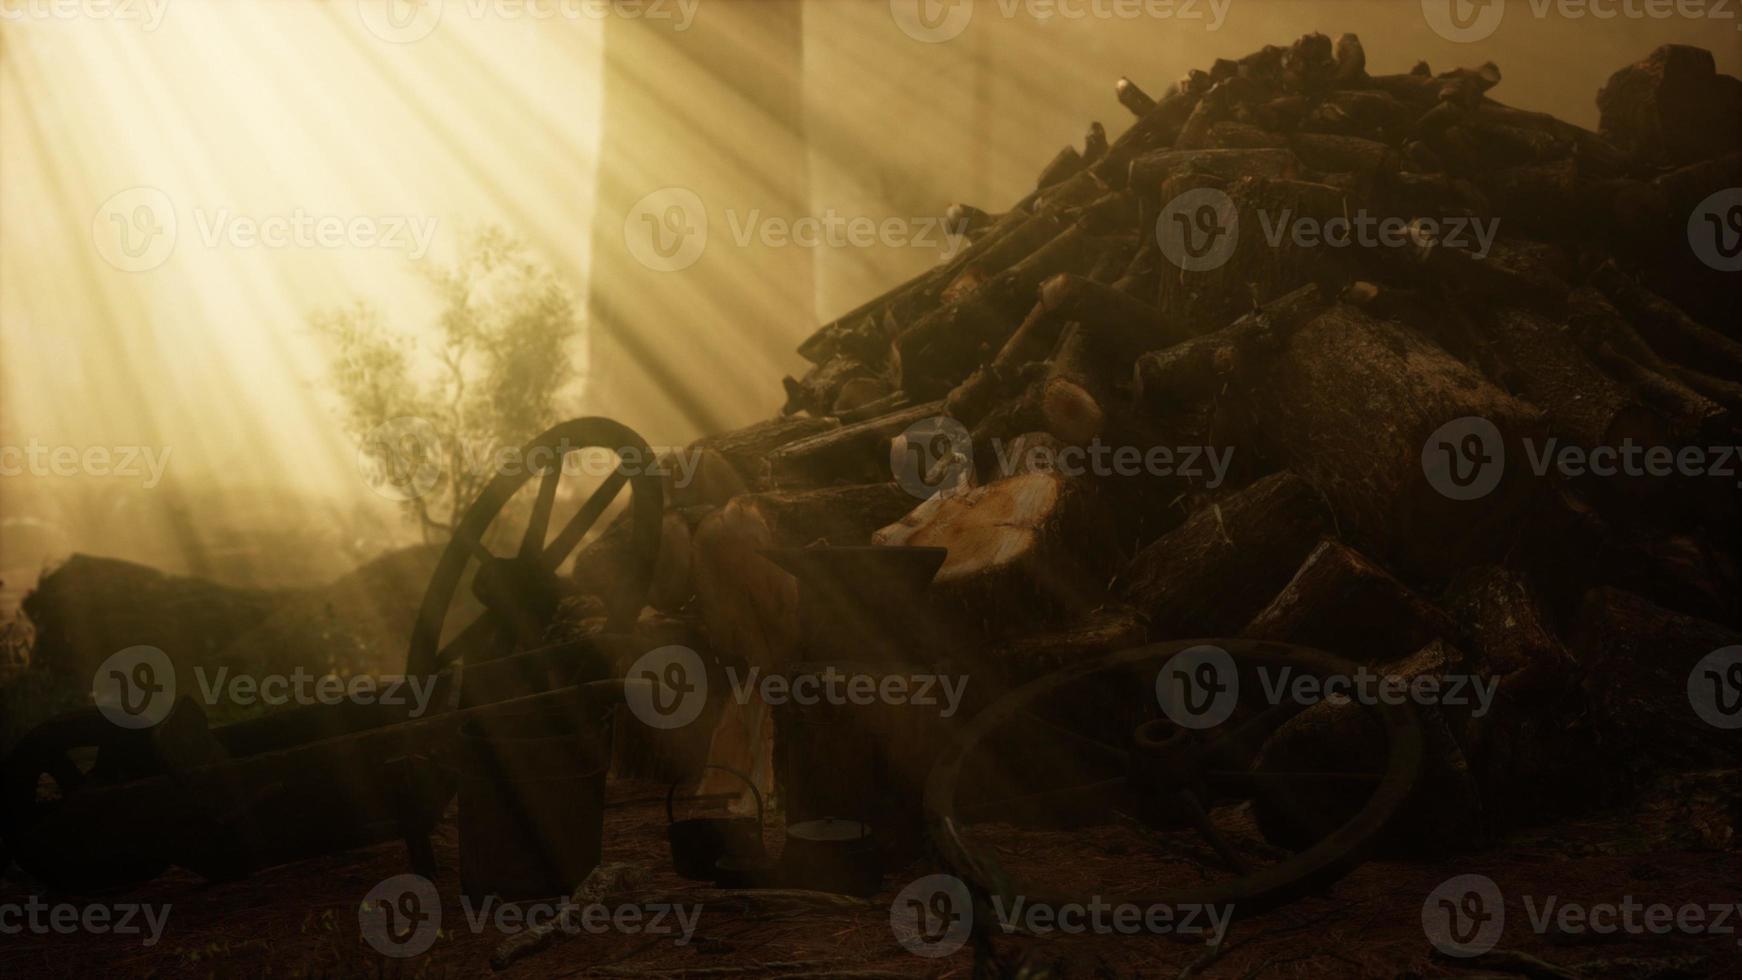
(831,855)
(699,843)
(532,798)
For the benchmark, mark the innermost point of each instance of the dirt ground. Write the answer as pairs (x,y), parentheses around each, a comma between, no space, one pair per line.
(1676,846)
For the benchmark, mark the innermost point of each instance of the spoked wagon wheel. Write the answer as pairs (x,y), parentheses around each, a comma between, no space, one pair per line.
(1151,812)
(521,593)
(48,830)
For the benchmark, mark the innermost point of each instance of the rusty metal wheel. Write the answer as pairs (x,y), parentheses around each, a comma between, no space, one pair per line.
(49,830)
(1184,794)
(521,593)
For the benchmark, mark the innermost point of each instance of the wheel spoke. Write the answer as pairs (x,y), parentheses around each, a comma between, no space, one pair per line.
(1211,834)
(532,546)
(486,626)
(584,519)
(1090,743)
(476,547)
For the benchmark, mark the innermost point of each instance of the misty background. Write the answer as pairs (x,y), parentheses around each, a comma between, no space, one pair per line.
(552,127)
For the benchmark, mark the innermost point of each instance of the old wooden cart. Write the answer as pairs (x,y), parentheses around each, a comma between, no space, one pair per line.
(86,804)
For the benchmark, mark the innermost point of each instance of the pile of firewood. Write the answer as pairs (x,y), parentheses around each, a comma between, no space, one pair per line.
(1324,371)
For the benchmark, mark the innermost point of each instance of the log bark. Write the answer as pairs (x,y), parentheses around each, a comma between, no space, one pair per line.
(748,605)
(1336,588)
(1213,573)
(1638,659)
(858,452)
(1350,403)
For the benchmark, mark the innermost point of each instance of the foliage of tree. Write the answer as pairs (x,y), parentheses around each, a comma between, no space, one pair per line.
(495,373)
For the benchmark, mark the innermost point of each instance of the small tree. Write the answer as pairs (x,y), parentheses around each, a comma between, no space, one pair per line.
(492,379)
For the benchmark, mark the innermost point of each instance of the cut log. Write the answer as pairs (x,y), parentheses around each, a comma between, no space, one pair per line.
(1639,663)
(1150,170)
(1117,323)
(946,344)
(817,391)
(1673,107)
(1133,98)
(1538,360)
(844,454)
(1669,331)
(1021,550)
(1501,619)
(1337,588)
(1192,371)
(1202,299)
(748,605)
(1350,405)
(599,565)
(1105,630)
(1212,574)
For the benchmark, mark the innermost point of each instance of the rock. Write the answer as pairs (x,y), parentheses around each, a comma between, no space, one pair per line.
(92,607)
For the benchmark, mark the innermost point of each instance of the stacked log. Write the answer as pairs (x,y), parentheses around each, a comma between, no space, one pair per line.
(1154,290)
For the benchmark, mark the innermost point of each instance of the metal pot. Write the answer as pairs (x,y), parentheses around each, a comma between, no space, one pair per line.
(699,843)
(831,855)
